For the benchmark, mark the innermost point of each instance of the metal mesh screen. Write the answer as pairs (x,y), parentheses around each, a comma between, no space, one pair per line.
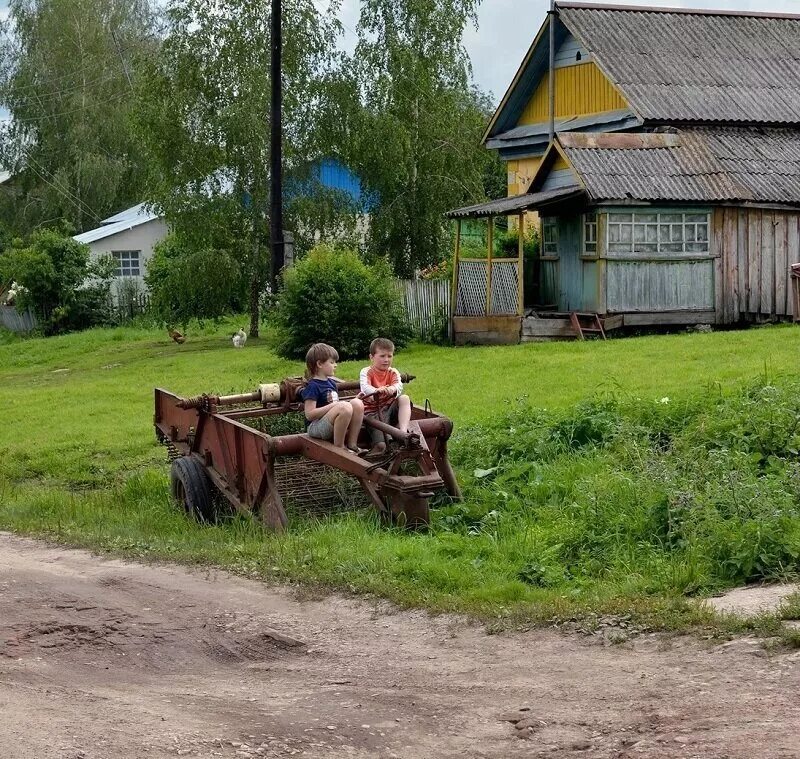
(471,293)
(505,284)
(311,487)
(308,486)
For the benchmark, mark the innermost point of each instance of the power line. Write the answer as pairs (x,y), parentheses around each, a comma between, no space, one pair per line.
(79,204)
(88,107)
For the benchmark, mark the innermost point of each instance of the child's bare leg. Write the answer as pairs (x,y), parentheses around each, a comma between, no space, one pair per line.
(340,416)
(403,413)
(356,419)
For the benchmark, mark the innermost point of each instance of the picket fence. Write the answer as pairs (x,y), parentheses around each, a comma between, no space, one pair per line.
(427,303)
(15,321)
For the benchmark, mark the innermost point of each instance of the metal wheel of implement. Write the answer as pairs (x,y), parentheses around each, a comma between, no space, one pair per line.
(190,486)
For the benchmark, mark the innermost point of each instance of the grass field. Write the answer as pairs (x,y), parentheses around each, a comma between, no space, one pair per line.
(600,478)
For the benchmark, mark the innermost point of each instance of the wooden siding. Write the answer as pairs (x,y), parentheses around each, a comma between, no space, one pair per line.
(559,178)
(580,90)
(520,174)
(654,286)
(567,54)
(15,321)
(548,282)
(427,303)
(755,249)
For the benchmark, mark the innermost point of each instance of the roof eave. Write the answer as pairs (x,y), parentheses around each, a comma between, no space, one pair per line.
(520,71)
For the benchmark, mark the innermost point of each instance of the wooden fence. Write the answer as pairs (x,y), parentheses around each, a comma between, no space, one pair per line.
(427,303)
(12,319)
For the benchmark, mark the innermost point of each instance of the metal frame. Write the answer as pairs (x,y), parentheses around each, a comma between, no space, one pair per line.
(240,460)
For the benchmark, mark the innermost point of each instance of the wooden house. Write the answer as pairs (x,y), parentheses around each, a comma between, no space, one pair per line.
(661,151)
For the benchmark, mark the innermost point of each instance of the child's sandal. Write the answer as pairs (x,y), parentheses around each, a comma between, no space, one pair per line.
(355,449)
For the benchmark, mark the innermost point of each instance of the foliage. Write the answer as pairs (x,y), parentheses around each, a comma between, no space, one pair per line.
(320,213)
(64,67)
(59,284)
(188,283)
(332,296)
(411,75)
(506,243)
(203,106)
(693,495)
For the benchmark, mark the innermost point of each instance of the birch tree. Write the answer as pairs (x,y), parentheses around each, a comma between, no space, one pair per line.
(417,139)
(204,117)
(67,69)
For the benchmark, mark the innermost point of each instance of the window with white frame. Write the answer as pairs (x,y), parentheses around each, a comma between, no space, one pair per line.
(590,233)
(658,234)
(126,263)
(550,236)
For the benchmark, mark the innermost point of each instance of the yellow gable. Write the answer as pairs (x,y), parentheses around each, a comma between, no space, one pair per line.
(581,90)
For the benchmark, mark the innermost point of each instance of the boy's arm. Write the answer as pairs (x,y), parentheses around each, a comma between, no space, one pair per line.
(363,378)
(396,388)
(312,412)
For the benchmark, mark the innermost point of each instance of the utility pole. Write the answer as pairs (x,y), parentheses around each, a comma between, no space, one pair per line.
(276,152)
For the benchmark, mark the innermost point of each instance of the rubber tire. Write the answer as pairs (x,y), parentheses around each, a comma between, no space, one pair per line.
(191,487)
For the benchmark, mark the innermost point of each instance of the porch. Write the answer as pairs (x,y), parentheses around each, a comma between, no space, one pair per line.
(499,298)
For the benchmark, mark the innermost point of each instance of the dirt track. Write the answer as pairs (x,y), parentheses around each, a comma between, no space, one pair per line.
(105,659)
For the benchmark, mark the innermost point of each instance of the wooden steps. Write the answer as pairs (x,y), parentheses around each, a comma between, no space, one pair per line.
(586,324)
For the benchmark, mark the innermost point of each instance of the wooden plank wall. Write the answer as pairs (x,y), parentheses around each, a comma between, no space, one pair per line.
(427,303)
(15,321)
(756,247)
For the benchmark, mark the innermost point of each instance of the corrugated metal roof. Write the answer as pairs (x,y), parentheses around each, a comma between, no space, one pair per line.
(526,132)
(696,66)
(514,204)
(757,164)
(121,222)
(134,213)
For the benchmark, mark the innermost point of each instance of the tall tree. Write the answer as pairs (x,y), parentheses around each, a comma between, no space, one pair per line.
(204,118)
(420,110)
(66,74)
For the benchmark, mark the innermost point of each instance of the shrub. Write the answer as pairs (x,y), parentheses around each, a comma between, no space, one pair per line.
(193,283)
(332,296)
(63,288)
(661,495)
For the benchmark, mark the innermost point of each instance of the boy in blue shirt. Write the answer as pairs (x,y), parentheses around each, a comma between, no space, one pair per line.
(328,418)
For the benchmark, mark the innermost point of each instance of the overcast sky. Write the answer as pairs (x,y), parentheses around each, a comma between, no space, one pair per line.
(507,27)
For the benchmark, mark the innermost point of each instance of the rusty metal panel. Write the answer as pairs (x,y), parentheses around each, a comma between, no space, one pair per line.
(660,286)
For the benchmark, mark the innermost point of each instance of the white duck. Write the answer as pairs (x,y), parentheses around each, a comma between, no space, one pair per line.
(239,339)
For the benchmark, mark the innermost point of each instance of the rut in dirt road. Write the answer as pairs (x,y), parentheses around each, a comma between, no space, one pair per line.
(107,659)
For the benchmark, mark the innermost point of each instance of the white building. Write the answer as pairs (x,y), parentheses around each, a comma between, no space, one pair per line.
(128,238)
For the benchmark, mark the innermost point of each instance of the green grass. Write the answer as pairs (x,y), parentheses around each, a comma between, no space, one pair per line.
(631,513)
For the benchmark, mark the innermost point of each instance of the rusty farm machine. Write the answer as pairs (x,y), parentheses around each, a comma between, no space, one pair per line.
(248,450)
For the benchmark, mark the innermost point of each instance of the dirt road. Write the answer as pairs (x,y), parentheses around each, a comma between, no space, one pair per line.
(106,659)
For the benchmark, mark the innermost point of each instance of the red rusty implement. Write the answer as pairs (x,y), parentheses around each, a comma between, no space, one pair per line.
(216,451)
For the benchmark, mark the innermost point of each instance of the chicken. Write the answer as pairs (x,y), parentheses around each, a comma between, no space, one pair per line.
(176,336)
(239,339)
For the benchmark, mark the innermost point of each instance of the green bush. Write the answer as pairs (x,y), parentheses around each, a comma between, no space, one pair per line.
(663,496)
(64,289)
(332,296)
(188,283)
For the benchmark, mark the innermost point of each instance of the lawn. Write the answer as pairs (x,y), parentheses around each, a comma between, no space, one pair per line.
(617,477)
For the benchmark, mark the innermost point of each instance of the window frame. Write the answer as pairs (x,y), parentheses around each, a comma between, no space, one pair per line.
(549,222)
(586,227)
(124,263)
(658,234)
